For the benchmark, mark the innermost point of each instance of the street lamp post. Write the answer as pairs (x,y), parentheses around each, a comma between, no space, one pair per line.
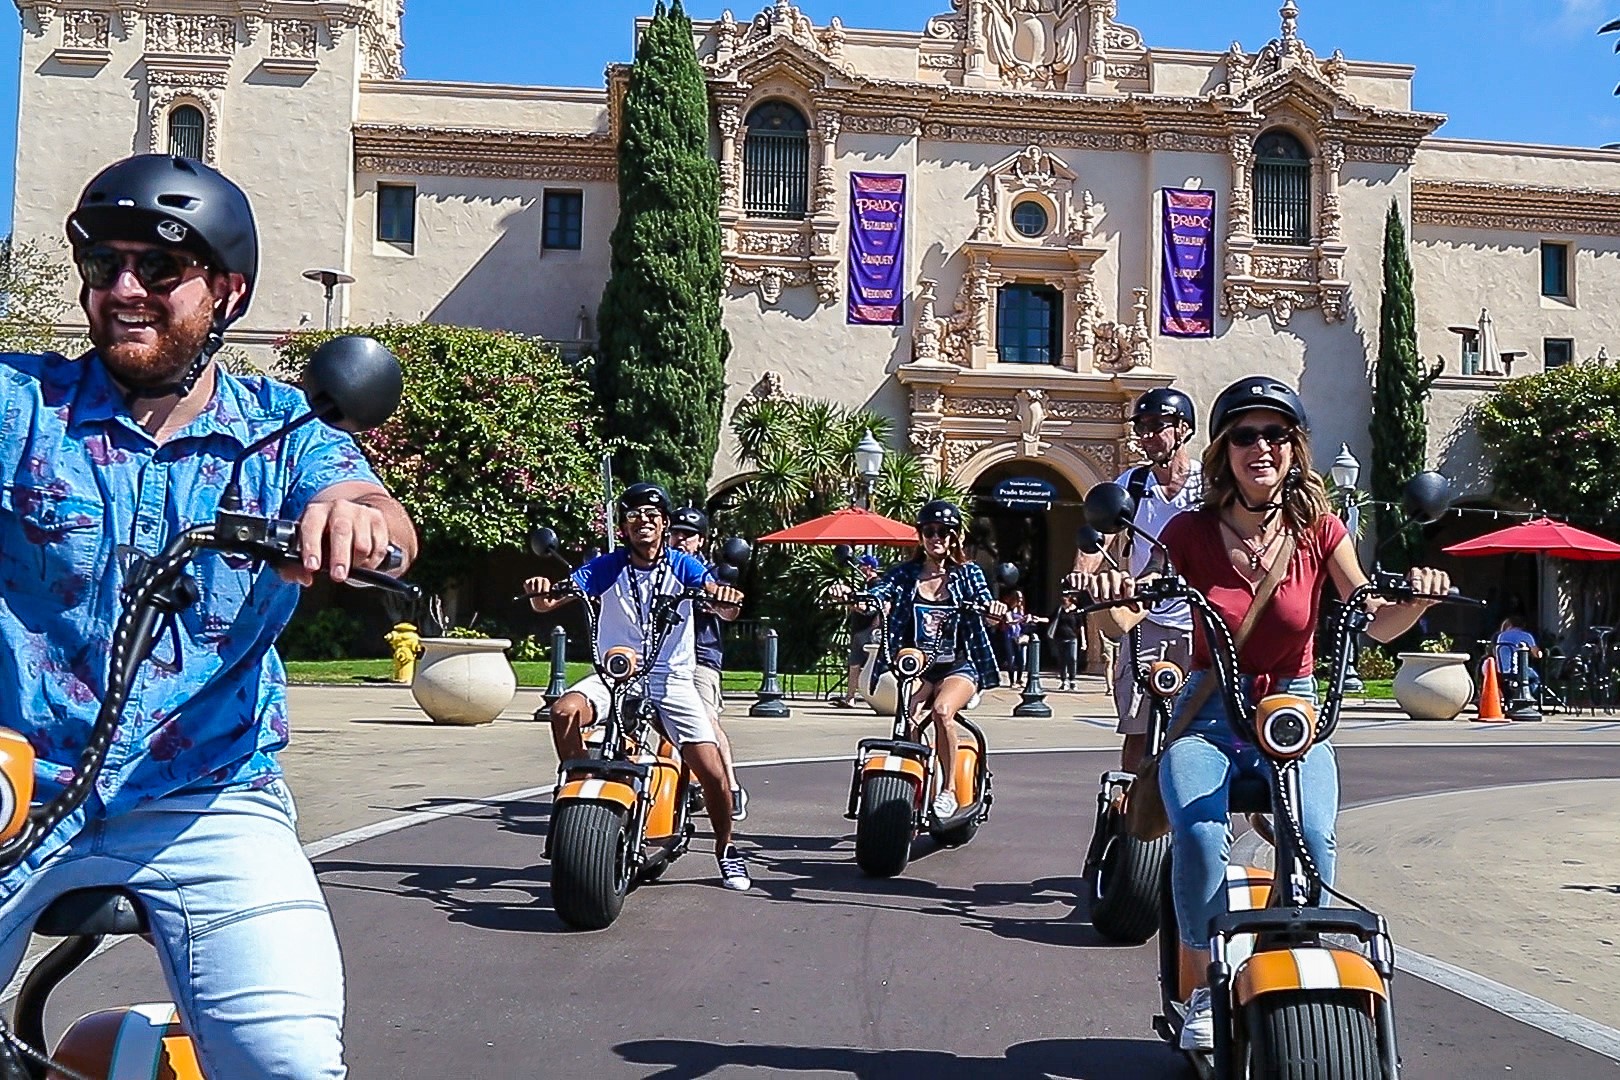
(869,463)
(329,280)
(1346,470)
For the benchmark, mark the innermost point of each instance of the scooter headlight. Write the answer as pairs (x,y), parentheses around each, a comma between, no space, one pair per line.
(620,663)
(16,783)
(908,664)
(1166,678)
(1285,725)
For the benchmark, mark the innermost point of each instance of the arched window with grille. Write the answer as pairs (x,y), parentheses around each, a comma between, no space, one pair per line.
(188,131)
(776,162)
(1282,190)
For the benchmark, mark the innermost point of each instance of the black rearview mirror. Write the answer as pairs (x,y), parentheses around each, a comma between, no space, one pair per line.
(1089,540)
(543,542)
(844,554)
(736,552)
(1109,508)
(1007,574)
(353,382)
(1426,497)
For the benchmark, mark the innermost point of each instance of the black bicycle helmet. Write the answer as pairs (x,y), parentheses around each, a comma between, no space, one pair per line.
(1256,392)
(637,496)
(171,202)
(1166,402)
(940,512)
(689,519)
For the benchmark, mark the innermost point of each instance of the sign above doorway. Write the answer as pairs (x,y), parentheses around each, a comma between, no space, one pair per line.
(1025,493)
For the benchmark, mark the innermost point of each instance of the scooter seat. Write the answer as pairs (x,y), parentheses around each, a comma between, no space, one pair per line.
(89,912)
(1250,795)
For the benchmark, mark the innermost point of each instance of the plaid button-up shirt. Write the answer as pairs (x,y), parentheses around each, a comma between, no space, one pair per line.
(965,584)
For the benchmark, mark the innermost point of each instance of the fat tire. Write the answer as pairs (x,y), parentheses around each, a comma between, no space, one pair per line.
(1313,1035)
(589,876)
(886,824)
(1125,886)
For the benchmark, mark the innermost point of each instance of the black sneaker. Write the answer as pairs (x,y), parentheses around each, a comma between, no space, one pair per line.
(739,804)
(734,870)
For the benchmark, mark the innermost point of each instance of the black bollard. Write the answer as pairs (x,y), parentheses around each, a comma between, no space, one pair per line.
(769,703)
(1522,706)
(559,672)
(1034,703)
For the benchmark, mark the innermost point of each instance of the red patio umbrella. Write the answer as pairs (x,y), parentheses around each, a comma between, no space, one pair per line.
(851,526)
(1542,536)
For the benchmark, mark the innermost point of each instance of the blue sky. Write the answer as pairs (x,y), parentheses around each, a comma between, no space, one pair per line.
(1519,70)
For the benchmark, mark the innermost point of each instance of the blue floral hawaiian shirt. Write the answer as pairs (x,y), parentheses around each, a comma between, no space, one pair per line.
(898,591)
(79,480)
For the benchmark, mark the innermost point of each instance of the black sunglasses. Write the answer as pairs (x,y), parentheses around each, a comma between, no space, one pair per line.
(157,270)
(1273,434)
(935,532)
(1152,427)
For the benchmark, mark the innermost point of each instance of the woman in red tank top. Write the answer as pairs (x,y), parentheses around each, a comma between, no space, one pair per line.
(1259,490)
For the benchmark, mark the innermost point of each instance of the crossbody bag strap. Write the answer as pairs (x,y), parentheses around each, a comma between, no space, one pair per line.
(1262,599)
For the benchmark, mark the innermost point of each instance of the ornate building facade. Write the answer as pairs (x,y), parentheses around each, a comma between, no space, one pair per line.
(1036,138)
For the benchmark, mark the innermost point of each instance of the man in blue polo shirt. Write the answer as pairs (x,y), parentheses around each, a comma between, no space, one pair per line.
(119,450)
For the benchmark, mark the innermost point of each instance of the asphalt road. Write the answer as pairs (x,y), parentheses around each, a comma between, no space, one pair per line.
(976,963)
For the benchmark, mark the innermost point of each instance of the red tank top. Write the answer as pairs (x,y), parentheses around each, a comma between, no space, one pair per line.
(1283,643)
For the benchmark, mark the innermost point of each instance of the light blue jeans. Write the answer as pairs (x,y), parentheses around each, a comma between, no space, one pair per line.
(1196,776)
(241,928)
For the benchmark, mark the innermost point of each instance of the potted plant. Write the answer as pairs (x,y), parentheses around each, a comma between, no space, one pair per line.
(463,677)
(1433,683)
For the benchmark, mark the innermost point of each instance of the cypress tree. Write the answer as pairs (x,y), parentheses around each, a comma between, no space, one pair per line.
(1400,427)
(662,370)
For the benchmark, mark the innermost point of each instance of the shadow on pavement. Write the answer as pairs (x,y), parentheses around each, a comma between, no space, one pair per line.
(1070,1059)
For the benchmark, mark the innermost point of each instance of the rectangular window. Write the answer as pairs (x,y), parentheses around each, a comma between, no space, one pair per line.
(1555,270)
(396,213)
(1470,353)
(564,220)
(1029,325)
(1557,351)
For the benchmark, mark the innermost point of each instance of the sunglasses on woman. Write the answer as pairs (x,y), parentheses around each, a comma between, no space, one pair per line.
(935,532)
(157,270)
(1271,435)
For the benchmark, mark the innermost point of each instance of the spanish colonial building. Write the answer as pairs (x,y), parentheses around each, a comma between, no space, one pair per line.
(1035,154)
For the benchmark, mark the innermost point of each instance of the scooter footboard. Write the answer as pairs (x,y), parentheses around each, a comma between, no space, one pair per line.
(909,759)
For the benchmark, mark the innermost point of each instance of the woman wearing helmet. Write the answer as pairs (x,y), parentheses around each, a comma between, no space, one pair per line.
(921,596)
(1262,503)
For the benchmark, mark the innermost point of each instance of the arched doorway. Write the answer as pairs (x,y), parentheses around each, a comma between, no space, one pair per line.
(1040,542)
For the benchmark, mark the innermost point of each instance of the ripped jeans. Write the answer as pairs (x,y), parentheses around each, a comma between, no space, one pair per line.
(1196,776)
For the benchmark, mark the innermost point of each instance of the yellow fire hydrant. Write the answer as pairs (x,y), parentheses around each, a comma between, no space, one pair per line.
(407,646)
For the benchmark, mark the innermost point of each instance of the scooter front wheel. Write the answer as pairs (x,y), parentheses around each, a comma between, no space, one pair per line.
(886,824)
(1313,1035)
(1125,885)
(590,864)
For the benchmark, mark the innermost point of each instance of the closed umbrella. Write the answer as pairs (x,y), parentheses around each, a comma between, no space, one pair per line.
(1490,354)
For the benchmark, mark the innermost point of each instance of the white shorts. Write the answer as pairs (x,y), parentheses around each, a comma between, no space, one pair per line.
(708,688)
(676,698)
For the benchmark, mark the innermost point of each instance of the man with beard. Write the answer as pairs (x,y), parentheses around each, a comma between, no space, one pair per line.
(626,582)
(105,458)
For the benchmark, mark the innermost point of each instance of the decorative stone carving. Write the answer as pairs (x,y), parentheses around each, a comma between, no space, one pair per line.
(1479,204)
(165,89)
(926,442)
(382,42)
(983,407)
(958,452)
(1017,134)
(770,280)
(1105,455)
(85,30)
(496,155)
(780,19)
(1280,302)
(292,39)
(45,14)
(769,388)
(925,334)
(1069,409)
(191,34)
(770,242)
(1285,267)
(880,125)
(1033,43)
(1030,412)
(1118,348)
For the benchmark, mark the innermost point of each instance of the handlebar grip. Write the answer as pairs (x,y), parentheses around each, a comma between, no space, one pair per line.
(393,560)
(362,578)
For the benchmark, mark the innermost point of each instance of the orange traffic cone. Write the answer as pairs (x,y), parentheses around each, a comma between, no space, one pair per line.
(1490,696)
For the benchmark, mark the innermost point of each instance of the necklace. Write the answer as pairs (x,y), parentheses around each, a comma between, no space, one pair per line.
(1255,548)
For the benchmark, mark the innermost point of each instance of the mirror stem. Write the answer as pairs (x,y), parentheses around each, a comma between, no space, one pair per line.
(231,501)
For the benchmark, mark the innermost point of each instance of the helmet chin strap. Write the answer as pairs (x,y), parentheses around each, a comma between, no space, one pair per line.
(187,382)
(1273,507)
(1181,441)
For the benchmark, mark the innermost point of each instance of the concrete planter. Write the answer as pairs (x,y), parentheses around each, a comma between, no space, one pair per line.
(882,699)
(464,680)
(1433,686)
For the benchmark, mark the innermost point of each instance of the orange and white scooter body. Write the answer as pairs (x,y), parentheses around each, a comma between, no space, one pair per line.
(142,1042)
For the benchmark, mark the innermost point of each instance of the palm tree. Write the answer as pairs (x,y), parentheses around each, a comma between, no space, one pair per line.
(1610,27)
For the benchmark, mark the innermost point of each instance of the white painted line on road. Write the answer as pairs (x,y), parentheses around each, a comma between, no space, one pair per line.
(1515,1004)
(315,849)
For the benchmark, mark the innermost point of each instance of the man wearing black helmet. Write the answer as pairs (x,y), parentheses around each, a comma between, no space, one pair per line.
(626,581)
(687,531)
(104,458)
(1164,421)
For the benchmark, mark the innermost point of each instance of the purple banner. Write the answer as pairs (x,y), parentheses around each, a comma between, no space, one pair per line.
(877,248)
(1187,297)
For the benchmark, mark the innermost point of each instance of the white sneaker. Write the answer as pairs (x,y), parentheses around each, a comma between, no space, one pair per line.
(1198,1029)
(944,805)
(734,869)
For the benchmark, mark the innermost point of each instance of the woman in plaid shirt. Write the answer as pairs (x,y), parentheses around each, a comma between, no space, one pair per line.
(921,597)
